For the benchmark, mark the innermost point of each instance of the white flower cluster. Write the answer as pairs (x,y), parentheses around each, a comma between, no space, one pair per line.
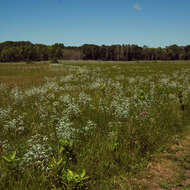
(36,91)
(90,125)
(64,129)
(38,152)
(103,106)
(72,110)
(66,99)
(15,125)
(67,78)
(120,107)
(4,113)
(5,146)
(17,94)
(84,99)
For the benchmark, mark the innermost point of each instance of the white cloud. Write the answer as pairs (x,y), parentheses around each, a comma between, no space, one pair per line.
(137,6)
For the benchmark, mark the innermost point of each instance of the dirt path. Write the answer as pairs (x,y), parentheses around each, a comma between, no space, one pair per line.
(168,170)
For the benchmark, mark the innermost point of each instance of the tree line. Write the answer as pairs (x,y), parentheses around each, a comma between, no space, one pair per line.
(27,51)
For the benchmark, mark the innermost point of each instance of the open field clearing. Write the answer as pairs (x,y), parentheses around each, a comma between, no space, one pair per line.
(88,125)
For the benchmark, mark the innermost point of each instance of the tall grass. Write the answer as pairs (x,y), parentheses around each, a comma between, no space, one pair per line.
(79,125)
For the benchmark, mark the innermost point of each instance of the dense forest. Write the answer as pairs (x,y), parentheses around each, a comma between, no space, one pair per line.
(27,51)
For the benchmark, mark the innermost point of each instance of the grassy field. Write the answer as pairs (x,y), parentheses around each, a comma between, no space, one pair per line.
(88,125)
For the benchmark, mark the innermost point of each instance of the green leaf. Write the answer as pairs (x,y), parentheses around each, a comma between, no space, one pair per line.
(70,172)
(12,157)
(6,158)
(61,150)
(59,162)
(83,173)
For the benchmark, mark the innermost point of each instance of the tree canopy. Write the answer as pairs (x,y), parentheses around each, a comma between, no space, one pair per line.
(27,51)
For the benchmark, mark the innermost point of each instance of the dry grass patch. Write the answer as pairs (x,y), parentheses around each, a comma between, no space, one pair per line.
(167,170)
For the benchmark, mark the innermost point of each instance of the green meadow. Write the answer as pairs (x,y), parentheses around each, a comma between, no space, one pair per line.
(80,125)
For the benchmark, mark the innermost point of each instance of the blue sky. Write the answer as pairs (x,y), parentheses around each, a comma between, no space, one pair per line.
(75,22)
